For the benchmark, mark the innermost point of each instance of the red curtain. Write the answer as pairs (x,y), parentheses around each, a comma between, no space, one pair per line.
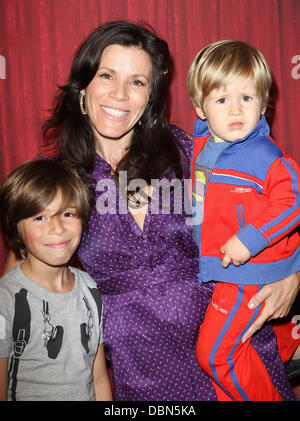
(38,39)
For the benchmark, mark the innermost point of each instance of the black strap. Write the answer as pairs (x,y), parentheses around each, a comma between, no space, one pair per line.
(98,300)
(21,335)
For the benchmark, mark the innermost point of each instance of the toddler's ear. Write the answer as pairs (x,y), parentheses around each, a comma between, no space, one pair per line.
(200,113)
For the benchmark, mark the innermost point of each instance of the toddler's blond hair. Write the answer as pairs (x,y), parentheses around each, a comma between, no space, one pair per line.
(216,65)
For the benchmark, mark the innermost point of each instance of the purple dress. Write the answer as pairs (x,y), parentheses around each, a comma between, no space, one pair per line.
(153,303)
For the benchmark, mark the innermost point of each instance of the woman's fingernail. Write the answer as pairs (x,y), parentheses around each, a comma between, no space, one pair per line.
(251,305)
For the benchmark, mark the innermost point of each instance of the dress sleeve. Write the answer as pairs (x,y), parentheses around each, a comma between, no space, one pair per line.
(184,139)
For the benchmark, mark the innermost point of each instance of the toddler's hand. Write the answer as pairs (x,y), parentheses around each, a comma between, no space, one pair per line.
(234,252)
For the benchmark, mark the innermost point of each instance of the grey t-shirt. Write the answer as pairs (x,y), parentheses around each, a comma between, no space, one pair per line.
(50,339)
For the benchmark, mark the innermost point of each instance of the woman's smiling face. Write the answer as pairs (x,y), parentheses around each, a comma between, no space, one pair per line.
(118,94)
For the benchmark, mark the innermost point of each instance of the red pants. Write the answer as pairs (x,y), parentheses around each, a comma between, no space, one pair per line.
(236,369)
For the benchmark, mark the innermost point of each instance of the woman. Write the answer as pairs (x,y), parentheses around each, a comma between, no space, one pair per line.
(109,121)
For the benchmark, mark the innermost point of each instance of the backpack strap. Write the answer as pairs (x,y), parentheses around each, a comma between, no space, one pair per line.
(21,335)
(98,300)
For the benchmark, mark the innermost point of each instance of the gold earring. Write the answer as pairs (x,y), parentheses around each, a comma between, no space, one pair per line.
(153,124)
(82,104)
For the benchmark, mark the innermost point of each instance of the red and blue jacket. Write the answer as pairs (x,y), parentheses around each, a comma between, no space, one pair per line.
(253,192)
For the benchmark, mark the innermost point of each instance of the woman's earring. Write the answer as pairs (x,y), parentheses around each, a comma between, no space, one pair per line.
(82,104)
(153,124)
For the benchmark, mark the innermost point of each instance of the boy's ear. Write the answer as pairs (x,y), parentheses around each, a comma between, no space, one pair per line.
(263,110)
(200,113)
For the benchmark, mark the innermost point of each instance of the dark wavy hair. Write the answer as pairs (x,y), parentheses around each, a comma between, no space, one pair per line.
(154,150)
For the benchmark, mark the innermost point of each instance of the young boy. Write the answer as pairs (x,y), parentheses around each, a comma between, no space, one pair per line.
(50,314)
(246,197)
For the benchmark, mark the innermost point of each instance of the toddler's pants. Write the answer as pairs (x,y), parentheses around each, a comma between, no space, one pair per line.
(236,369)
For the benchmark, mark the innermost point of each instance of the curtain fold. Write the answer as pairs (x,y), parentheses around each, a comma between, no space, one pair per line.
(38,39)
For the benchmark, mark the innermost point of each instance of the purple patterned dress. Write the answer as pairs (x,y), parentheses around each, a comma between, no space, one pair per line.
(153,304)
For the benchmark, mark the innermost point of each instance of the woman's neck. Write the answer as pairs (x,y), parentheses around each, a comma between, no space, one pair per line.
(112,150)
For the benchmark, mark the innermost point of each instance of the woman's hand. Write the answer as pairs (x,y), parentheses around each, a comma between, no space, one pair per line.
(278,297)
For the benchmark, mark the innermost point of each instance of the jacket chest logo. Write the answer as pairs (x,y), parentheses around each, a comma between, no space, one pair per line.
(241,190)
